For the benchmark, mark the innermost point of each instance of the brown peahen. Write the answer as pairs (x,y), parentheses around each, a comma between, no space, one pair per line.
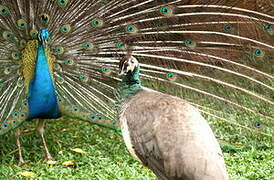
(166,133)
(60,58)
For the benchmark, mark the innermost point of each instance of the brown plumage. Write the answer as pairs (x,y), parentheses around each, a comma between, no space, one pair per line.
(170,136)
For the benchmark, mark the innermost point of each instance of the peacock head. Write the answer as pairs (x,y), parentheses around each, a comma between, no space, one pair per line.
(128,64)
(43,36)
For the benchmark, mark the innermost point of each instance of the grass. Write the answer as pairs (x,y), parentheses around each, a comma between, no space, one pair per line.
(106,157)
(248,155)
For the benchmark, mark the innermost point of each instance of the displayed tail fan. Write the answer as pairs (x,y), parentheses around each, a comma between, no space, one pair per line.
(217,54)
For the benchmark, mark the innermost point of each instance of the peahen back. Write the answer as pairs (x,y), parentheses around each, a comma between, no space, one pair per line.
(217,54)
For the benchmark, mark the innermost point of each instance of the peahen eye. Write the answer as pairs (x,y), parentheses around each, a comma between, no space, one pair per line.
(65,29)
(4,10)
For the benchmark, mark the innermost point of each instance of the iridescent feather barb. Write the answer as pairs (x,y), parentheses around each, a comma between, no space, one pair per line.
(216,51)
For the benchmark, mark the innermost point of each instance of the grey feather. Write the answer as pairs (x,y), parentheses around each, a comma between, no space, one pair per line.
(171,137)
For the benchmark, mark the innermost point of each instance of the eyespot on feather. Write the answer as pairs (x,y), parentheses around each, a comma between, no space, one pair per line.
(258,53)
(167,11)
(4,10)
(190,44)
(97,22)
(59,50)
(22,24)
(15,55)
(171,76)
(8,70)
(7,35)
(131,29)
(87,46)
(84,78)
(65,29)
(44,18)
(34,33)
(62,3)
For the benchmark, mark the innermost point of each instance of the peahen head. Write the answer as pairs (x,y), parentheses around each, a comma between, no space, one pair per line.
(128,64)
(43,36)
(131,82)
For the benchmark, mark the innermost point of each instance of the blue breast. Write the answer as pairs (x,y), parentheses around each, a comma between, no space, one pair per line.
(42,98)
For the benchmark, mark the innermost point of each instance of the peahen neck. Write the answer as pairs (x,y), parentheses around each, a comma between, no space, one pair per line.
(42,98)
(131,84)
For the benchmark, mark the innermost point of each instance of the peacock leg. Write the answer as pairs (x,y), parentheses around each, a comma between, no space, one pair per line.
(17,136)
(40,129)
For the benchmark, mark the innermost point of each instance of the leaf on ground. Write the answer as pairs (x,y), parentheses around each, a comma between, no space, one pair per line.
(78,150)
(68,163)
(26,174)
(51,162)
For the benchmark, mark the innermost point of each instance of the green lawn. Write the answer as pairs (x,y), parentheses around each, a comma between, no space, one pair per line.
(106,157)
(248,155)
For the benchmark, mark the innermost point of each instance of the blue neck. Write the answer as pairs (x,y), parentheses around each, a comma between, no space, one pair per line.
(42,98)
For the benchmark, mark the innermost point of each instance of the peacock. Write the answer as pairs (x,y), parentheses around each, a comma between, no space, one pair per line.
(166,133)
(60,58)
